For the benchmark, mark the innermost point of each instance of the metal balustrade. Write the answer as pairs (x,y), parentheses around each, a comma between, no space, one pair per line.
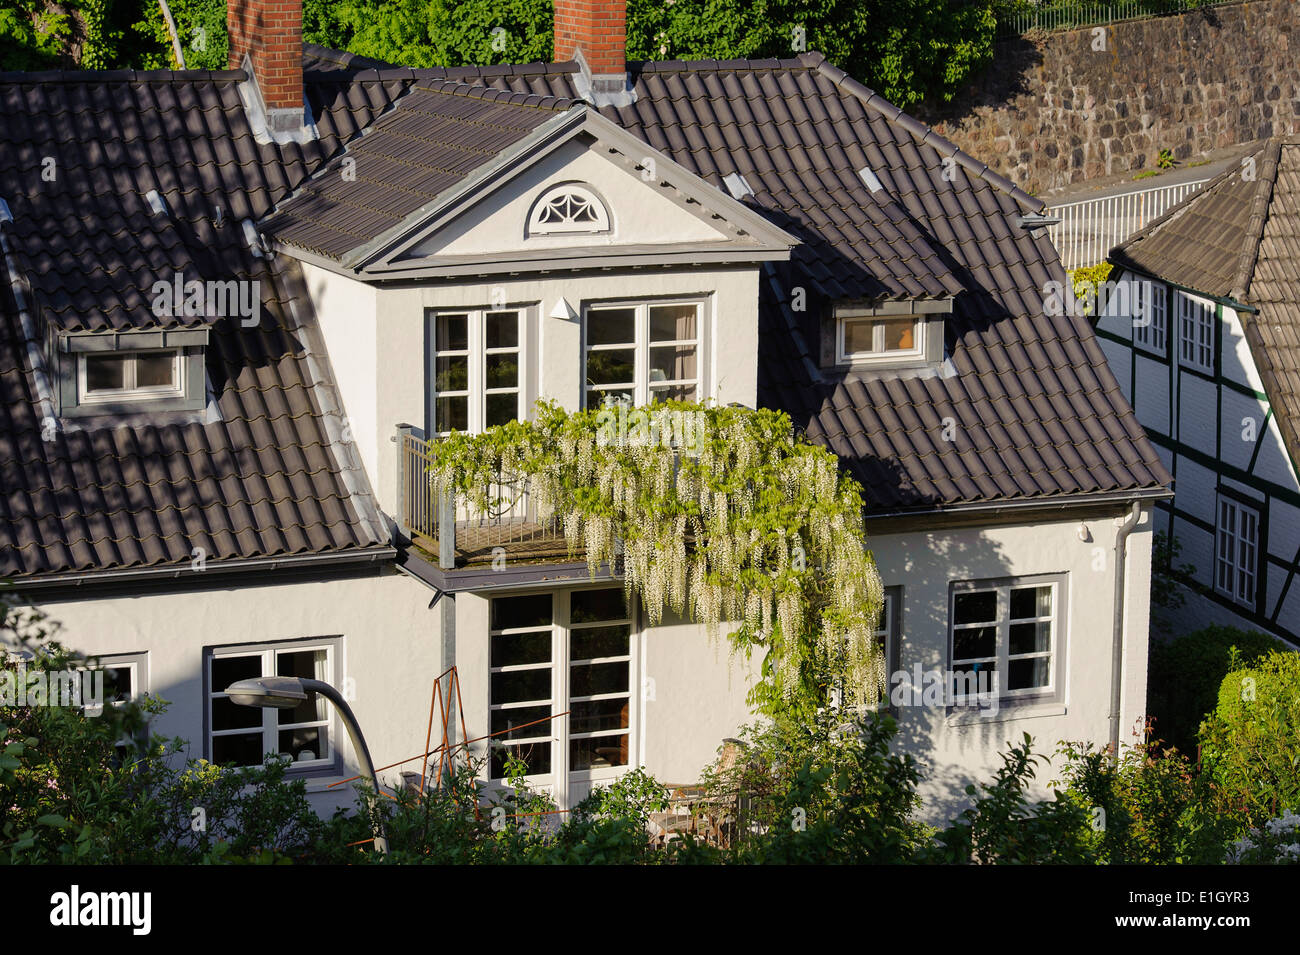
(1090,228)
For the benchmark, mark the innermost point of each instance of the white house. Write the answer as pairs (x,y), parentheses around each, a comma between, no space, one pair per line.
(204,495)
(1202,335)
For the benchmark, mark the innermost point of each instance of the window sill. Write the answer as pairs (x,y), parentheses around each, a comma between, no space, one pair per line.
(1006,712)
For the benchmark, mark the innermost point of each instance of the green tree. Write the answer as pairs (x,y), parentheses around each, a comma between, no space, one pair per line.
(200,28)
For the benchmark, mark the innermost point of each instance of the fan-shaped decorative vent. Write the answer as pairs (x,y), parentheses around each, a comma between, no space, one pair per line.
(568,207)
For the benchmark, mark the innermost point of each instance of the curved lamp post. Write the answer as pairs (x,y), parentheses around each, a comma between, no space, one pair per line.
(286,692)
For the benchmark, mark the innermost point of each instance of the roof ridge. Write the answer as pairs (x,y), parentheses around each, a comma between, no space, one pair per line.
(1271,156)
(919,130)
(455,87)
(99,77)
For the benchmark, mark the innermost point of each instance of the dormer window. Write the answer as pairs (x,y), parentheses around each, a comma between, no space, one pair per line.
(884,336)
(127,376)
(568,208)
(128,372)
(866,339)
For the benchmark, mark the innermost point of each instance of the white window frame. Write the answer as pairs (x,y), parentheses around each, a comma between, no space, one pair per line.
(557,733)
(1196,322)
(476,353)
(271,726)
(1149,298)
(568,226)
(878,352)
(1003,657)
(130,392)
(640,386)
(1236,551)
(136,663)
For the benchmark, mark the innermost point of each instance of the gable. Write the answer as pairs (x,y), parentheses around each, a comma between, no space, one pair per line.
(641,211)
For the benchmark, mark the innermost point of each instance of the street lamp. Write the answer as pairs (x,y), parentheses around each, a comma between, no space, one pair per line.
(286,692)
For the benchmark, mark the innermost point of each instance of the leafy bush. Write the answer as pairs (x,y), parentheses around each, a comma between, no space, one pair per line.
(1250,744)
(1003,827)
(82,788)
(820,791)
(1087,282)
(1184,675)
(1277,842)
(1149,808)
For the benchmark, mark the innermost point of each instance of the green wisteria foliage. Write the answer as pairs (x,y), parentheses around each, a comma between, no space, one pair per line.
(720,513)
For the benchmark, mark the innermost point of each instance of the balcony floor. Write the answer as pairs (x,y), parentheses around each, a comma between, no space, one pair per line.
(522,542)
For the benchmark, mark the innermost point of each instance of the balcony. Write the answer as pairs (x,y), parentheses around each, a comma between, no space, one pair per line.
(455,536)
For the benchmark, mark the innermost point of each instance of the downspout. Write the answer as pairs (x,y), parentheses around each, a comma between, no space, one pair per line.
(1117,643)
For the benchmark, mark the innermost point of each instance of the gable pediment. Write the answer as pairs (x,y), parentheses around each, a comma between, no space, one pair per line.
(593,196)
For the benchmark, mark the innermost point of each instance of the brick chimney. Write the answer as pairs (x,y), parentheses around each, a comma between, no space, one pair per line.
(594,32)
(266,40)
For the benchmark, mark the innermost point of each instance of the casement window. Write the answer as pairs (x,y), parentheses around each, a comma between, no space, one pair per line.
(643,353)
(1236,558)
(125,677)
(244,735)
(1150,310)
(871,339)
(129,376)
(98,374)
(555,652)
(1195,317)
(1011,630)
(567,208)
(477,369)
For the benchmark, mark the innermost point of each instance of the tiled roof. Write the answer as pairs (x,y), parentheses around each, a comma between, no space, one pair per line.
(1274,287)
(439,132)
(1030,405)
(1199,243)
(1238,239)
(256,474)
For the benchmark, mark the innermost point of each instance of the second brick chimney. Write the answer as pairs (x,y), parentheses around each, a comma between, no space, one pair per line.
(266,40)
(594,32)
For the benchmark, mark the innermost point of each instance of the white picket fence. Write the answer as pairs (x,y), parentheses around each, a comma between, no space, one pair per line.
(1090,228)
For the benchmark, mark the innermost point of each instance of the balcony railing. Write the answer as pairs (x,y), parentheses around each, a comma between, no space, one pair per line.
(454,533)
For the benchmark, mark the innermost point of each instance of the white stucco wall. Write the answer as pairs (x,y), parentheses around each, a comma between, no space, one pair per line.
(691,694)
(391,652)
(956,750)
(688,695)
(555,365)
(347,317)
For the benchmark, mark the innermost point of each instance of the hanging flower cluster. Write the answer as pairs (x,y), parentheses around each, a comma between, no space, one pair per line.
(722,513)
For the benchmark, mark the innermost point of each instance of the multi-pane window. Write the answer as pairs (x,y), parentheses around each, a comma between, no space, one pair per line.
(244,735)
(477,382)
(551,653)
(642,353)
(118,376)
(1237,553)
(867,339)
(1195,331)
(1149,308)
(569,207)
(1008,631)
